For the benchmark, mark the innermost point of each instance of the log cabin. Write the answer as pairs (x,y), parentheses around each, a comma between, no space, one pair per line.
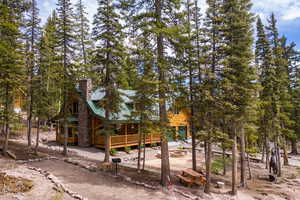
(85,121)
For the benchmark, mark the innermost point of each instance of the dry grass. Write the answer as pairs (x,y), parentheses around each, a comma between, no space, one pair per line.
(58,196)
(10,184)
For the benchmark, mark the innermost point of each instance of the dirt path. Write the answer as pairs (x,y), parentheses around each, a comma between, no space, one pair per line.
(95,186)
(42,189)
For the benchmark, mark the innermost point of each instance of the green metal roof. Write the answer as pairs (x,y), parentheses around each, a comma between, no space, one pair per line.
(70,119)
(125,111)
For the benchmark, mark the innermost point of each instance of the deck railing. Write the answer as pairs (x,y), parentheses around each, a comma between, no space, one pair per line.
(127,140)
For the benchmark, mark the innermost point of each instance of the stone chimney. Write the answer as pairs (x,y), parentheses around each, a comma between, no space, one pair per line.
(84,124)
(85,87)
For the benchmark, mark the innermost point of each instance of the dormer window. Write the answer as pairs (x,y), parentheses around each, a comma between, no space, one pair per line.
(130,106)
(75,108)
(176,110)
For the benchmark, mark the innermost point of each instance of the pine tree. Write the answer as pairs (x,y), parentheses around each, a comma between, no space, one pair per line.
(109,55)
(49,61)
(32,36)
(281,98)
(157,19)
(11,70)
(66,39)
(238,75)
(267,79)
(210,81)
(83,36)
(293,58)
(41,94)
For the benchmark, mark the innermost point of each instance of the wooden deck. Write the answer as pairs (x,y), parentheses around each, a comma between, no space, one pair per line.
(126,140)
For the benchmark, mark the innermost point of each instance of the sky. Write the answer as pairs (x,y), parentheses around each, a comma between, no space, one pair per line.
(287,13)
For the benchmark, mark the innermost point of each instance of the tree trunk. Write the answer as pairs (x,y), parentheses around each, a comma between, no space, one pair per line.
(249,168)
(144,152)
(248,159)
(224,159)
(51,127)
(263,152)
(191,91)
(165,165)
(37,136)
(7,132)
(267,153)
(107,144)
(285,158)
(243,160)
(139,150)
(205,150)
(65,151)
(234,165)
(6,112)
(208,163)
(278,159)
(29,126)
(294,147)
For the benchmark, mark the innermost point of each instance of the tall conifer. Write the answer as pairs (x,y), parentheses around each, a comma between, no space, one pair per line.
(109,56)
(237,75)
(32,36)
(65,35)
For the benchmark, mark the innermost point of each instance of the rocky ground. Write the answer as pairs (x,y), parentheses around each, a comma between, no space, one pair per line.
(80,176)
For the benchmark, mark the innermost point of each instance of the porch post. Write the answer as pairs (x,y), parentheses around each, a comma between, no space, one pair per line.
(109,142)
(177,131)
(126,129)
(57,133)
(93,131)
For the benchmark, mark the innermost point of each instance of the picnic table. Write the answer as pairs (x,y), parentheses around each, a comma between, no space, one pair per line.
(191,177)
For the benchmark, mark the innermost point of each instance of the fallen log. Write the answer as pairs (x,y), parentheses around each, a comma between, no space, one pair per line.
(12,155)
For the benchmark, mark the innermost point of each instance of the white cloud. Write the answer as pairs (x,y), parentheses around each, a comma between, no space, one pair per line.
(46,4)
(284,9)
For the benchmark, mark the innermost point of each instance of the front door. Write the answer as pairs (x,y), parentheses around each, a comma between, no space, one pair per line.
(182,132)
(171,133)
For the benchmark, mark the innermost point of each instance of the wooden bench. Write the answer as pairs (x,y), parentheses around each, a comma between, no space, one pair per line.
(186,180)
(191,177)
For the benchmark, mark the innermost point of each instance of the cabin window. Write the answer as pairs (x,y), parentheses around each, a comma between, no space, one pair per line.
(70,132)
(75,108)
(120,129)
(132,128)
(176,110)
(130,106)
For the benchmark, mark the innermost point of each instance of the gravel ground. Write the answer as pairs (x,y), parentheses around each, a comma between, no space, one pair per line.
(95,186)
(42,189)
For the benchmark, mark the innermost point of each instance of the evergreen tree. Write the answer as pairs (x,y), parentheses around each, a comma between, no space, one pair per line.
(83,37)
(209,84)
(267,79)
(109,56)
(65,35)
(11,70)
(293,58)
(238,75)
(49,61)
(159,17)
(32,35)
(281,99)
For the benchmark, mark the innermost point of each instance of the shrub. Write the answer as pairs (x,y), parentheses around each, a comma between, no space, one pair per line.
(113,151)
(153,145)
(180,148)
(217,166)
(44,128)
(127,149)
(17,126)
